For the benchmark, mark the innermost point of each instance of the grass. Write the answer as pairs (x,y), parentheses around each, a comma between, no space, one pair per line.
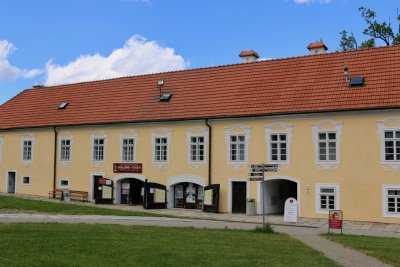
(14,204)
(116,245)
(384,248)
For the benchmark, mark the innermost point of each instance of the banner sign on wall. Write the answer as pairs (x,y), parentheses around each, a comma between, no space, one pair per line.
(127,167)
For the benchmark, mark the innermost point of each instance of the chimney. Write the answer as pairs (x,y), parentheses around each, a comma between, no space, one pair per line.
(249,56)
(317,48)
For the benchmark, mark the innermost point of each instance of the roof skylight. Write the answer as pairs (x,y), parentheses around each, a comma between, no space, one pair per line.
(63,105)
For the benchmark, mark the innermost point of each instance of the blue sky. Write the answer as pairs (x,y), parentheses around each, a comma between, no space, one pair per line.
(55,42)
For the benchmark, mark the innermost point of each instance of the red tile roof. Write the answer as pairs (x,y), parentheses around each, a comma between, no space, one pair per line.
(284,86)
(317,45)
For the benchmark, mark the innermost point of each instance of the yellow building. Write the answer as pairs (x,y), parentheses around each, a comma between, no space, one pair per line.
(330,121)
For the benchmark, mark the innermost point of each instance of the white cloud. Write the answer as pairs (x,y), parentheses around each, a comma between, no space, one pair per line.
(137,56)
(9,73)
(311,1)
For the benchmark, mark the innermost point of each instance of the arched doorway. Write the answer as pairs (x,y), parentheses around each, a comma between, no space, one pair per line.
(276,190)
(129,190)
(185,191)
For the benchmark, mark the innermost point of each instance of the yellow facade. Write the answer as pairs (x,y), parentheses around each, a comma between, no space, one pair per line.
(359,174)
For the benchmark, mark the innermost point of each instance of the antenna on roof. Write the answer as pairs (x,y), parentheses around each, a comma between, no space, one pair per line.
(160,84)
(346,72)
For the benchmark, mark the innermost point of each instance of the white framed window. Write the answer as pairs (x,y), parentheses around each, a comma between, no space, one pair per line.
(98,149)
(278,138)
(327,198)
(64,183)
(160,149)
(327,136)
(27,150)
(237,148)
(237,139)
(65,149)
(26,180)
(391,200)
(128,149)
(327,147)
(392,145)
(197,148)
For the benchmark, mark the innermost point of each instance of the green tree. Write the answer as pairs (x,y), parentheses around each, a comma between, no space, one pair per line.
(375,30)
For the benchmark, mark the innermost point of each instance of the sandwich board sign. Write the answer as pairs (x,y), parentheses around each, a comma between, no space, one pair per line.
(336,220)
(65,196)
(291,210)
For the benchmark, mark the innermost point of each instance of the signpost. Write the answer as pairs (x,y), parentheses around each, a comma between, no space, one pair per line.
(257,174)
(336,220)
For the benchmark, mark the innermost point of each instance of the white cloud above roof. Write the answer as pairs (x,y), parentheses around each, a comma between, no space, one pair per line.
(137,56)
(311,1)
(9,73)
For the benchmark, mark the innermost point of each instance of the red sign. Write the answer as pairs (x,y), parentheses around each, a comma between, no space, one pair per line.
(335,219)
(127,167)
(102,180)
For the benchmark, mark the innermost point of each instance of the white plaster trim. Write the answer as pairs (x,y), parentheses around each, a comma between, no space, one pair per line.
(15,181)
(393,166)
(230,181)
(191,133)
(161,133)
(99,134)
(317,198)
(269,129)
(271,178)
(22,180)
(117,184)
(64,179)
(243,130)
(27,137)
(385,188)
(327,165)
(128,134)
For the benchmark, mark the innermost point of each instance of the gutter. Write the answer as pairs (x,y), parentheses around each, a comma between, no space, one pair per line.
(209,150)
(55,162)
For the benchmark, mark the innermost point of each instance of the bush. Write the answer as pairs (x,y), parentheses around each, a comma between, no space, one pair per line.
(266,229)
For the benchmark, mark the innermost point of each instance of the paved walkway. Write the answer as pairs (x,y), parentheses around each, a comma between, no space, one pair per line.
(306,230)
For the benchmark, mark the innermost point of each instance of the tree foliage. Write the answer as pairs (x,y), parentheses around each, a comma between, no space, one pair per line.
(374,30)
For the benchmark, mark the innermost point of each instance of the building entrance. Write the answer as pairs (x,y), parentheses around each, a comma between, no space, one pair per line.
(239,194)
(276,192)
(131,191)
(188,196)
(11,183)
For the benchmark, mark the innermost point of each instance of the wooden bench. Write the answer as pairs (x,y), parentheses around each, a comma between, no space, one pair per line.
(74,194)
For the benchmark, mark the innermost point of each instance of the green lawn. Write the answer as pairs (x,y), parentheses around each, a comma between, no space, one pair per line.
(384,248)
(14,204)
(116,245)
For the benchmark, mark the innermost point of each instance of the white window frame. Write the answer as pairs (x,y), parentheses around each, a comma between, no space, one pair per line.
(240,145)
(237,130)
(128,147)
(336,194)
(66,146)
(269,131)
(63,186)
(22,180)
(165,145)
(196,132)
(327,141)
(197,149)
(385,189)
(394,165)
(161,133)
(94,139)
(335,127)
(30,138)
(99,134)
(128,134)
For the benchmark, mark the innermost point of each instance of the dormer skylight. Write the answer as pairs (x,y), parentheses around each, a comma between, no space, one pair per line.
(165,96)
(63,105)
(356,81)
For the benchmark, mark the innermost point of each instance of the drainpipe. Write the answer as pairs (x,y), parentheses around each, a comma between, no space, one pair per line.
(209,150)
(55,162)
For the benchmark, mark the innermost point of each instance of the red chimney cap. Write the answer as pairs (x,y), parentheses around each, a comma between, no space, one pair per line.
(248,53)
(319,44)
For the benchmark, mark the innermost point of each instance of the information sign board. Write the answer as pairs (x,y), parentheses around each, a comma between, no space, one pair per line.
(291,210)
(336,220)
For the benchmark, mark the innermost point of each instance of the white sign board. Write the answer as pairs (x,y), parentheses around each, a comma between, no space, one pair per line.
(291,210)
